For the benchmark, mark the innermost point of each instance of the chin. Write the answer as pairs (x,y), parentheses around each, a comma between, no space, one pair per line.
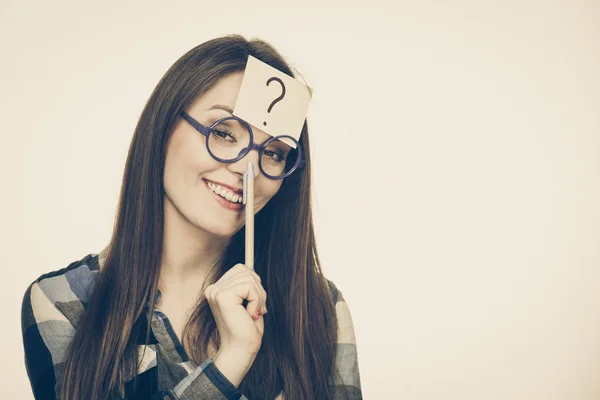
(221,230)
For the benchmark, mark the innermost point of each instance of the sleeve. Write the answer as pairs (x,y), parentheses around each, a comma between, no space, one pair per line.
(347,377)
(205,382)
(46,336)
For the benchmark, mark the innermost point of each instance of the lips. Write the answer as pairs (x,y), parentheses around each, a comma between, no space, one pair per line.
(224,202)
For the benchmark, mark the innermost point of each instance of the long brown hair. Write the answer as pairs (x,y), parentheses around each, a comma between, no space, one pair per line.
(298,347)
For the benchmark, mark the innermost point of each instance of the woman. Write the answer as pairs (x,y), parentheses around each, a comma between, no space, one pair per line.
(168,310)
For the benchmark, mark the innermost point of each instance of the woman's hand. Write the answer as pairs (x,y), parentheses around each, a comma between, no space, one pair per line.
(240,329)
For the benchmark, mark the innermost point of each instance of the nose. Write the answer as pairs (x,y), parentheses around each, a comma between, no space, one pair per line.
(241,165)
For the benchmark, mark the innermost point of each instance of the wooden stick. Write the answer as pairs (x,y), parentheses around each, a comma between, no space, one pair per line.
(249,210)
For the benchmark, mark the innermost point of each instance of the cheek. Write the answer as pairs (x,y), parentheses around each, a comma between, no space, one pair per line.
(184,167)
(196,157)
(188,157)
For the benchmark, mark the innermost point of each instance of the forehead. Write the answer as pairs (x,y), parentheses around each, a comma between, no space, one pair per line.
(223,93)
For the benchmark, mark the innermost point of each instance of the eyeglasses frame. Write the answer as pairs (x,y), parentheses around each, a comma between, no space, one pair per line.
(205,131)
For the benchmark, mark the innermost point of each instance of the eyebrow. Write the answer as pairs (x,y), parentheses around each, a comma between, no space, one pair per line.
(221,107)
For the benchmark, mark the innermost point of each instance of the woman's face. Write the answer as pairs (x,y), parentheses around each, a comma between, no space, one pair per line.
(189,168)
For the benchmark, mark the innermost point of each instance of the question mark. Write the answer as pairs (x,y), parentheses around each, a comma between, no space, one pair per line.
(277,99)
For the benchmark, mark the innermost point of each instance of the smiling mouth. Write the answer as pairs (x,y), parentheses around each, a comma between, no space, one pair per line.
(224,192)
(220,193)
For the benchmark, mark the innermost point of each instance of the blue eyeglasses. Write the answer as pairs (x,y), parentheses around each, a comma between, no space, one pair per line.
(230,139)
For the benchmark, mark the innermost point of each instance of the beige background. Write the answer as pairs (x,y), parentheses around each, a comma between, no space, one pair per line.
(456,153)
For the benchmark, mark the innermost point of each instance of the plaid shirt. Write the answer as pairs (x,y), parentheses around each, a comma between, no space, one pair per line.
(53,304)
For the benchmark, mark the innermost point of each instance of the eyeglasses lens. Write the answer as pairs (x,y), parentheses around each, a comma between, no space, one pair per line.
(229,138)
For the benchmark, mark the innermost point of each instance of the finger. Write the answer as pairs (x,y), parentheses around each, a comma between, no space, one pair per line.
(228,279)
(232,277)
(255,275)
(237,268)
(258,281)
(257,288)
(240,269)
(237,286)
(237,280)
(254,298)
(261,290)
(237,274)
(264,308)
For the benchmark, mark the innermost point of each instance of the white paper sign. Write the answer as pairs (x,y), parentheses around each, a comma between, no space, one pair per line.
(272,101)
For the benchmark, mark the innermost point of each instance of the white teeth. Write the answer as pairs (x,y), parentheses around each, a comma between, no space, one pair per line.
(225,193)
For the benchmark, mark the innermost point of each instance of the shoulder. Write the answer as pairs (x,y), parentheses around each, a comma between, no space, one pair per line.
(62,293)
(344,318)
(335,292)
(347,375)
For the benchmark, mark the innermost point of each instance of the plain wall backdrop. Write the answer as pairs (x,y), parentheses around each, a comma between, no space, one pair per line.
(456,161)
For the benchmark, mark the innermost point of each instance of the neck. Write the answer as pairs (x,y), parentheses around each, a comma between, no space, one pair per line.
(189,253)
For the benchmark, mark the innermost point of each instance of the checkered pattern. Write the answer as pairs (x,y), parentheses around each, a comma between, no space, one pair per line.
(53,304)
